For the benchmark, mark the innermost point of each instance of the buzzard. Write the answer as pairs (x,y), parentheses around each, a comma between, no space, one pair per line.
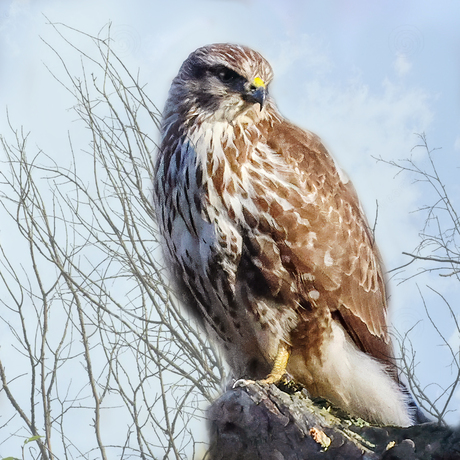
(266,240)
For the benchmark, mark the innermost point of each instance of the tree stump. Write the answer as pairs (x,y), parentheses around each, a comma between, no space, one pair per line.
(263,422)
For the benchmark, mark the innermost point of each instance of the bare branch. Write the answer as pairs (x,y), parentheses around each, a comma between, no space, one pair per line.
(438,250)
(93,325)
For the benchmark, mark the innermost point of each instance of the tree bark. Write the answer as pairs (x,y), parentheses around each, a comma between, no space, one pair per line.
(257,421)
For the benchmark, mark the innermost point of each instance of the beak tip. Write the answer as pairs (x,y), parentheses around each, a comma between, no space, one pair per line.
(260,96)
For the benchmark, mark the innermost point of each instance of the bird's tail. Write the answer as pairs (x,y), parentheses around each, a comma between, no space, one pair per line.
(417,414)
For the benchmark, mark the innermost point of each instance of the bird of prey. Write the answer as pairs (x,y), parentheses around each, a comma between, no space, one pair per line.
(266,240)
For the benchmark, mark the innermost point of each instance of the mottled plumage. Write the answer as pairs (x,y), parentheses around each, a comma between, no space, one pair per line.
(266,239)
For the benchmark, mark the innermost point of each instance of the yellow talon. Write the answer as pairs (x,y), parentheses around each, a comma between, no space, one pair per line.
(280,364)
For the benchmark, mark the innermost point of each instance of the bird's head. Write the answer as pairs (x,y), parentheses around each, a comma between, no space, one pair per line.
(221,82)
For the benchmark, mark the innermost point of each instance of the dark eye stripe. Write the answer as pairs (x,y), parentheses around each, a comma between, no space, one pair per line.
(231,79)
(226,75)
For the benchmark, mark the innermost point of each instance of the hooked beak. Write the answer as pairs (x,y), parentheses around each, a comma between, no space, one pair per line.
(257,92)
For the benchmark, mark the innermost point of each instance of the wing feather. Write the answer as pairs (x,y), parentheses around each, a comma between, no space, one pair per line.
(321,239)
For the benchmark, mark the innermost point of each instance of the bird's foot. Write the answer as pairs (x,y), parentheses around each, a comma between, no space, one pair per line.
(242,383)
(278,373)
(283,379)
(275,379)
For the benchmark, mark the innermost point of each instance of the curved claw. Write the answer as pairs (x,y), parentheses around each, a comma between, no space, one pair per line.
(243,383)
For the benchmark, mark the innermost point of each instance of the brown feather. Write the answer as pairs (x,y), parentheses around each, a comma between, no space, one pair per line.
(337,220)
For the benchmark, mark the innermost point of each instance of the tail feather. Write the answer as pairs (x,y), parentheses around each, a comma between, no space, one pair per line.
(417,414)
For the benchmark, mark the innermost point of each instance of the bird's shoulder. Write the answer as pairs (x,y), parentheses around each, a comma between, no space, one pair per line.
(297,145)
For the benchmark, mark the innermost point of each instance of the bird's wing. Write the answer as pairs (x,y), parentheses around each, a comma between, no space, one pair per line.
(311,237)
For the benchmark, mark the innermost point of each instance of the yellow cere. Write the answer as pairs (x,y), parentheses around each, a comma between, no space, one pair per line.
(258,82)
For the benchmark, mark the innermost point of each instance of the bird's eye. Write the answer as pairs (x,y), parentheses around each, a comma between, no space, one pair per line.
(227,75)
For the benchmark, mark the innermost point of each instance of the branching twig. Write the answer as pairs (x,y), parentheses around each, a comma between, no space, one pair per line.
(89,290)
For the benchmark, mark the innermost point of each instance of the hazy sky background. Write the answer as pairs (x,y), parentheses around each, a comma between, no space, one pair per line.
(363,75)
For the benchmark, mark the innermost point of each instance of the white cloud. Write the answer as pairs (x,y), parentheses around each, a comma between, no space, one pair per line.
(19,7)
(457,143)
(402,65)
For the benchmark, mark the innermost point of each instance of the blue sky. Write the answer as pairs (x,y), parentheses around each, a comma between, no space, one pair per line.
(363,75)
